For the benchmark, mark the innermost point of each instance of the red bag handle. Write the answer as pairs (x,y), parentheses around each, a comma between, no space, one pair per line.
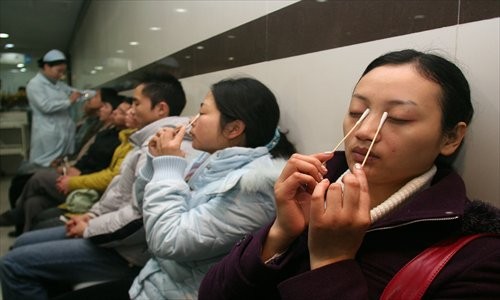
(414,278)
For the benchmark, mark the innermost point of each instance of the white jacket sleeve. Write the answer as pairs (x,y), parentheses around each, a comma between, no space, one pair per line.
(175,230)
(115,226)
(117,209)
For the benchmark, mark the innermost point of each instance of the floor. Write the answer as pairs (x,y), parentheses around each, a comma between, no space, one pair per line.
(5,240)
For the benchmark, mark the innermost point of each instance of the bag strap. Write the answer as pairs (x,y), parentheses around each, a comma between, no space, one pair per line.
(414,278)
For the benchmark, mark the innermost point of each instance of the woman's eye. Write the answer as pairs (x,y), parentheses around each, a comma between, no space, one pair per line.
(396,120)
(355,115)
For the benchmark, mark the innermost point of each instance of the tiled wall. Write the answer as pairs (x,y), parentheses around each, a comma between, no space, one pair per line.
(310,53)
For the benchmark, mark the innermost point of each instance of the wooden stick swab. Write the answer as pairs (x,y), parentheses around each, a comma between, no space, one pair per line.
(190,124)
(363,116)
(382,120)
(192,121)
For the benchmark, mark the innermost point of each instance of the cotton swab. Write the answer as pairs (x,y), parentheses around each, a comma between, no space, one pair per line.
(189,125)
(382,120)
(192,121)
(65,165)
(363,116)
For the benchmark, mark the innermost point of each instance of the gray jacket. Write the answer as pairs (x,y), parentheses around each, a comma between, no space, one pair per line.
(117,221)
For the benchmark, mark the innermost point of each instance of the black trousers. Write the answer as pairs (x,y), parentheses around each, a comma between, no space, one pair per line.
(16,187)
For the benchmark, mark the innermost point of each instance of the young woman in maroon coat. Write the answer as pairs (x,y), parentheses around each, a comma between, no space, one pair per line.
(346,223)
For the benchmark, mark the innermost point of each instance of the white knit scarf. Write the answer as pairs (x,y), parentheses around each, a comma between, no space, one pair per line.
(411,187)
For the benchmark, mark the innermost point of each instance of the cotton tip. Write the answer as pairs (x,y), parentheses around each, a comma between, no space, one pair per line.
(382,120)
(363,116)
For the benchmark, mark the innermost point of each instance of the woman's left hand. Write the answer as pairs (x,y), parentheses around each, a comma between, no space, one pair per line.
(167,141)
(337,226)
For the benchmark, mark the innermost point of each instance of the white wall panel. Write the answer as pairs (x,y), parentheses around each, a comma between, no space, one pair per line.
(314,90)
(478,51)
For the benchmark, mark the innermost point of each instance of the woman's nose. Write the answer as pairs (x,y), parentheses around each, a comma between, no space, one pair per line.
(367,129)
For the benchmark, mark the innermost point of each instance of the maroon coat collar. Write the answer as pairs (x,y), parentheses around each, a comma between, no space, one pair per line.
(444,199)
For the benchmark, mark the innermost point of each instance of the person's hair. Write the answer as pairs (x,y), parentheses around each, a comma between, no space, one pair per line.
(455,101)
(41,63)
(161,86)
(128,100)
(252,102)
(110,96)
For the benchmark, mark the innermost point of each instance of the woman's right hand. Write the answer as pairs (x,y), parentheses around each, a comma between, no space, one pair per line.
(293,191)
(167,141)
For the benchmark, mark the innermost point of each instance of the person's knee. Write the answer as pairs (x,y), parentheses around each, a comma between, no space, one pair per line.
(34,206)
(22,240)
(8,267)
(42,178)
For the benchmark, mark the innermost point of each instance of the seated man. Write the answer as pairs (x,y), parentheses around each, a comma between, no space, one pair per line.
(86,128)
(115,220)
(41,190)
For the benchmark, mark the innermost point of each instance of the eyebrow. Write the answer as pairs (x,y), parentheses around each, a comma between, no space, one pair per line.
(392,102)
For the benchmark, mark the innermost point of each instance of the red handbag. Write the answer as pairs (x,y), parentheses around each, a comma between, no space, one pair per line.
(414,278)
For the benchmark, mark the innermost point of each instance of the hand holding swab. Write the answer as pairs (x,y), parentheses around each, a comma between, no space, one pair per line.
(382,120)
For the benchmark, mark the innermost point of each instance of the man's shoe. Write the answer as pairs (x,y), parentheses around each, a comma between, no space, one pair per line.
(6,219)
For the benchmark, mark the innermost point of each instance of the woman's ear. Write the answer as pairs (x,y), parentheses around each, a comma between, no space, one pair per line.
(453,139)
(234,129)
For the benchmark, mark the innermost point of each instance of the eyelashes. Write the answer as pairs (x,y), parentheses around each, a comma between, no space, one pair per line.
(393,119)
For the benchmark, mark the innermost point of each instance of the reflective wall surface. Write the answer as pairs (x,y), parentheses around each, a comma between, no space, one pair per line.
(196,37)
(118,37)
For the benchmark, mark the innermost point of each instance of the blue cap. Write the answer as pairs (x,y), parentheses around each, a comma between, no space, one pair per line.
(53,55)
